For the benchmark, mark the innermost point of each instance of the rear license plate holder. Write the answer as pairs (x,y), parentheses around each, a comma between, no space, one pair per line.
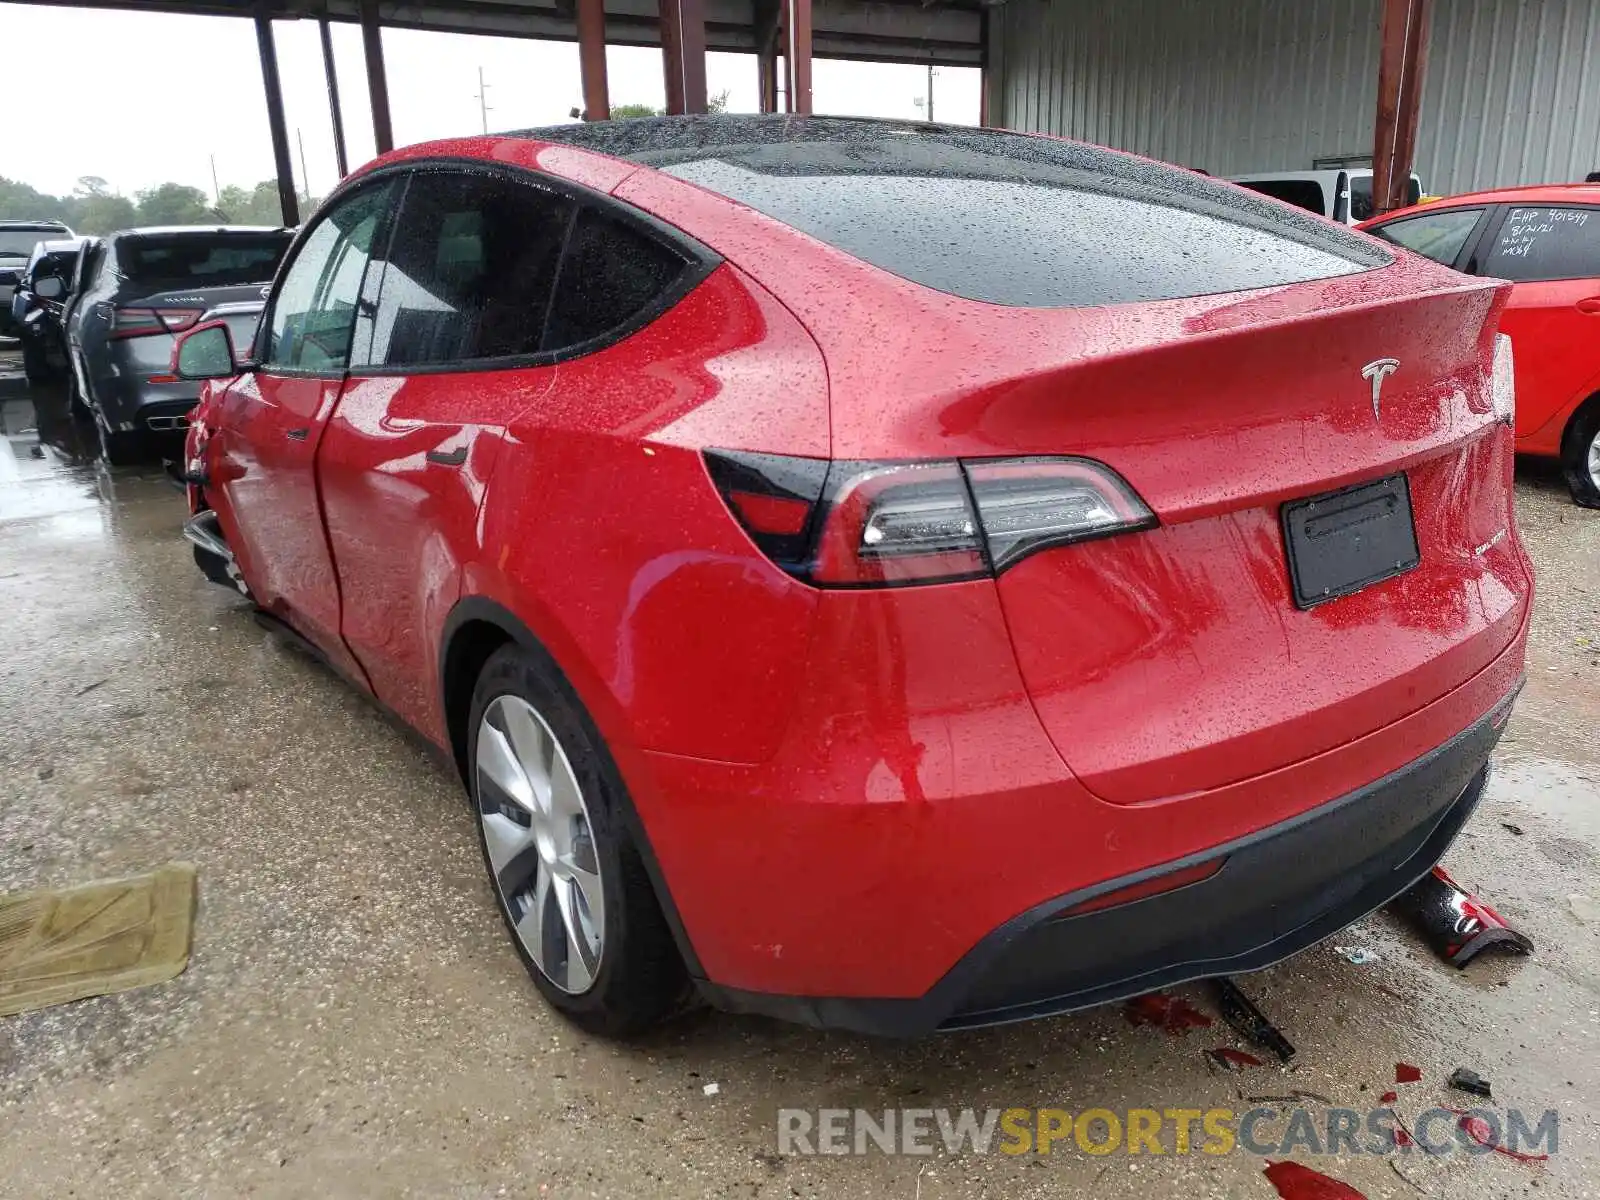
(1340,542)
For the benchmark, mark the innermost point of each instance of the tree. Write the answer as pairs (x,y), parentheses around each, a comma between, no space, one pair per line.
(173,204)
(622,111)
(102,214)
(254,206)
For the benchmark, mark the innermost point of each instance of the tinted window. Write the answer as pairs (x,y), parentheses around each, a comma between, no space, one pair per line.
(19,243)
(469,270)
(1546,243)
(1439,236)
(1302,193)
(1361,196)
(201,260)
(1010,241)
(314,310)
(610,273)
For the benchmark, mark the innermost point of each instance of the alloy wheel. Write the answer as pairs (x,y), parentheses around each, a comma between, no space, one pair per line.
(540,843)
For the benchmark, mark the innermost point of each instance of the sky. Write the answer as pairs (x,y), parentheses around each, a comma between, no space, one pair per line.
(193,94)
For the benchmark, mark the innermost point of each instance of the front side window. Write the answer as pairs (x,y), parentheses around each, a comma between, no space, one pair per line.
(469,270)
(1438,235)
(1546,243)
(313,314)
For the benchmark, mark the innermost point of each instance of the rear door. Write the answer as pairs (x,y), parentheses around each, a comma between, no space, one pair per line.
(271,422)
(1551,253)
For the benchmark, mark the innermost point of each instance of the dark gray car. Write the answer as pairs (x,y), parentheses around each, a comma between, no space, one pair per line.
(17,240)
(138,289)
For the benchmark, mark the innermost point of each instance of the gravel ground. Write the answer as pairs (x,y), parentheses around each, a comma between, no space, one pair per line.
(353,1022)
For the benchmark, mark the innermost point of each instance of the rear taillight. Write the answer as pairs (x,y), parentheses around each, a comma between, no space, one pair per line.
(141,322)
(871,524)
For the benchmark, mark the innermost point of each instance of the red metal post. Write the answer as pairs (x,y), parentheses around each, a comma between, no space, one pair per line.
(592,59)
(671,17)
(797,54)
(1401,68)
(377,84)
(767,31)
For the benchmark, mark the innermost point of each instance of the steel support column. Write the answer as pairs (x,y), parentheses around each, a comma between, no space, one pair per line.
(288,201)
(683,54)
(332,73)
(797,54)
(592,59)
(983,66)
(766,32)
(1401,67)
(377,83)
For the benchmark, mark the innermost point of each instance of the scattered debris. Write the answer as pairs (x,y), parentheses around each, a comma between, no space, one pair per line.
(1470,1081)
(711,1089)
(1359,955)
(1585,908)
(1294,1097)
(1480,1131)
(1248,1021)
(1388,1097)
(1394,1165)
(1172,1013)
(1515,829)
(1295,1182)
(84,691)
(1456,923)
(1406,1073)
(1234,1060)
(47,773)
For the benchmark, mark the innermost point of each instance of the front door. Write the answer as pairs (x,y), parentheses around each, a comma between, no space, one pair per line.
(271,424)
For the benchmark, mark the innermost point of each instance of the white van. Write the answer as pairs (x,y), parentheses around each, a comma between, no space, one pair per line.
(1343,195)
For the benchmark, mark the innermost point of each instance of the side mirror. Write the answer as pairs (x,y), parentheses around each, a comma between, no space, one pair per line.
(50,287)
(204,352)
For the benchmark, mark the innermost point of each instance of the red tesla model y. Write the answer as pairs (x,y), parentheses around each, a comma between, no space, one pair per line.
(883,575)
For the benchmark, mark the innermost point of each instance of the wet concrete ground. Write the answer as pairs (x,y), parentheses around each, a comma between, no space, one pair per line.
(354,1022)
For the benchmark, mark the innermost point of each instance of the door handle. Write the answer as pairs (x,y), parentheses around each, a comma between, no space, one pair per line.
(299,435)
(448,458)
(1590,305)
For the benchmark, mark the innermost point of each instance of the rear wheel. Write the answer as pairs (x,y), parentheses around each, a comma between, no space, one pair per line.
(1580,456)
(568,879)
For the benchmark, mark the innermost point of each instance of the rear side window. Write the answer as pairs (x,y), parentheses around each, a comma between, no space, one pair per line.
(1302,193)
(1439,236)
(470,270)
(1546,243)
(1014,232)
(611,273)
(200,259)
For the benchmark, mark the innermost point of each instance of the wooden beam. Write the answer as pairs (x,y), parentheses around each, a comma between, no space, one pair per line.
(377,82)
(288,200)
(1402,67)
(592,59)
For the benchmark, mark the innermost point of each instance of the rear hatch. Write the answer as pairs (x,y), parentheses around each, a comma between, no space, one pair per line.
(170,279)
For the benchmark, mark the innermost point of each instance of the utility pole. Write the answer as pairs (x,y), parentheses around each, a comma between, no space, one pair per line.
(304,174)
(216,189)
(483,107)
(930,91)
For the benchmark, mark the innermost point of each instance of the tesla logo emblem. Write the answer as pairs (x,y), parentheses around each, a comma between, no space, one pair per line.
(1378,371)
(265,292)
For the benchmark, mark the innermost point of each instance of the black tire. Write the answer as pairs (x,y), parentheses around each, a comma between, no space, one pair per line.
(1577,455)
(120,448)
(640,978)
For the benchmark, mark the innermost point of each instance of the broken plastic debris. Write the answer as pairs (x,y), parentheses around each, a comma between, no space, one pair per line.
(1297,1096)
(1480,1131)
(1388,1097)
(1510,828)
(1234,1060)
(1248,1021)
(1456,923)
(1359,955)
(1406,1073)
(1470,1081)
(1295,1182)
(711,1089)
(1172,1013)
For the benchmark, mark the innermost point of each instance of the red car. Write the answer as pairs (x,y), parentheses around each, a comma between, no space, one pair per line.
(883,575)
(1546,240)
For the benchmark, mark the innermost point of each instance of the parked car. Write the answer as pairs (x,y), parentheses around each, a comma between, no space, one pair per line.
(1344,195)
(851,582)
(17,240)
(1546,240)
(38,306)
(140,287)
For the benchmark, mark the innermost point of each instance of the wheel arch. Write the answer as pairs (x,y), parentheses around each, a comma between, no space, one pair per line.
(1581,412)
(478,626)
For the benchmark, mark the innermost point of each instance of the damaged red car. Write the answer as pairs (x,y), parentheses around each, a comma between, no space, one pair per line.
(881,575)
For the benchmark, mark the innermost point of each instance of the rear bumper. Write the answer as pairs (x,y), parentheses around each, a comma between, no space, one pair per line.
(1276,891)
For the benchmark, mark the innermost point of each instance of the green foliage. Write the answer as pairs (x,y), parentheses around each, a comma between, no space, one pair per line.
(173,204)
(93,207)
(621,111)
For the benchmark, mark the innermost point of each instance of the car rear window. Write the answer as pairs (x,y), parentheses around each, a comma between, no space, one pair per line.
(987,214)
(19,243)
(200,259)
(1037,242)
(1302,193)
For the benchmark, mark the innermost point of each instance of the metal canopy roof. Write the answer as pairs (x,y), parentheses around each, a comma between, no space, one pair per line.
(941,32)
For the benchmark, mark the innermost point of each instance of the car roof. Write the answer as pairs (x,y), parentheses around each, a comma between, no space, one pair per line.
(1542,193)
(169,230)
(31,226)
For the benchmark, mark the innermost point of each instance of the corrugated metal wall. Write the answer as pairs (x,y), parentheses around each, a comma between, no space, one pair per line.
(1512,94)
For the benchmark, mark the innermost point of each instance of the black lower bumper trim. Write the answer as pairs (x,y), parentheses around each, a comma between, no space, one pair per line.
(1279,890)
